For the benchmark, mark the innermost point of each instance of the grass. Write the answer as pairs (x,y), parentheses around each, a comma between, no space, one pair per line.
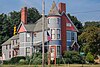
(60,65)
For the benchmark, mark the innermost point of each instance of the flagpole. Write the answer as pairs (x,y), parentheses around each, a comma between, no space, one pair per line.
(43,32)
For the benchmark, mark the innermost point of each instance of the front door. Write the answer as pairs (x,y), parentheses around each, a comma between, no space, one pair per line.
(52,51)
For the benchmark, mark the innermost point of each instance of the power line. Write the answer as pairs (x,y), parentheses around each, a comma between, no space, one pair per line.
(85,12)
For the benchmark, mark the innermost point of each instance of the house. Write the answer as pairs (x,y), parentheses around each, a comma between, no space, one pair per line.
(60,34)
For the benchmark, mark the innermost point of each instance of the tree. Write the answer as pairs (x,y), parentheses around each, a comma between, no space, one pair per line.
(90,40)
(93,23)
(33,15)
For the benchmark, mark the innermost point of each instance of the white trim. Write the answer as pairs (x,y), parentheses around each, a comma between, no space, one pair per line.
(76,43)
(21,24)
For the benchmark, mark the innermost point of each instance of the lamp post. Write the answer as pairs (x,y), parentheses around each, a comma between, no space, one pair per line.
(43,32)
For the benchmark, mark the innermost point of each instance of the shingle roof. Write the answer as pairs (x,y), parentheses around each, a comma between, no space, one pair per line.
(9,40)
(38,26)
(30,27)
(54,9)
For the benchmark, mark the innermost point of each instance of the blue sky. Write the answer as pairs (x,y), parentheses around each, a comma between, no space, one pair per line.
(73,7)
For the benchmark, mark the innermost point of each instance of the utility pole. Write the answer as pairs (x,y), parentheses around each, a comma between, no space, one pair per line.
(43,32)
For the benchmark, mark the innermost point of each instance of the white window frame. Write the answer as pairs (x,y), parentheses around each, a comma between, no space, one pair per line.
(68,24)
(58,34)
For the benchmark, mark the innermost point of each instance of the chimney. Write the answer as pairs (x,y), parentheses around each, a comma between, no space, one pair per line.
(24,15)
(62,7)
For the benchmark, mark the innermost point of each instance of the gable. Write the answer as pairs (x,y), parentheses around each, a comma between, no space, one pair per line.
(21,29)
(69,24)
(54,9)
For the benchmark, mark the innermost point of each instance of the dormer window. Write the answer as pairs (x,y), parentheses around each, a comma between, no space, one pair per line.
(68,24)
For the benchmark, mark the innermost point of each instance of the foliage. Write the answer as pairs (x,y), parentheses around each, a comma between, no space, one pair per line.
(33,15)
(36,58)
(59,61)
(89,57)
(22,61)
(6,62)
(72,57)
(15,60)
(93,23)
(90,40)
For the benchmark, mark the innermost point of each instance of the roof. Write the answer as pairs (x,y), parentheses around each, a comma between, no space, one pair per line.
(38,26)
(9,40)
(54,9)
(35,27)
(30,27)
(74,44)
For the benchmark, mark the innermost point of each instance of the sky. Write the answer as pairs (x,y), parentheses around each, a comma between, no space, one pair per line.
(84,10)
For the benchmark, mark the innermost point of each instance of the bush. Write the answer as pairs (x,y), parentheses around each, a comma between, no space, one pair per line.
(36,58)
(59,61)
(15,60)
(22,61)
(72,57)
(6,62)
(90,57)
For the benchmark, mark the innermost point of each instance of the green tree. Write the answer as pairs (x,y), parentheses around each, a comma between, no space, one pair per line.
(33,15)
(90,40)
(92,23)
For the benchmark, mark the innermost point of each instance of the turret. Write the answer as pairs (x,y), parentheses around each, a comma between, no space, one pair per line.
(54,22)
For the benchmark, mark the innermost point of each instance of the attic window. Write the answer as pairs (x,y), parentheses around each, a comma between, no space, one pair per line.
(68,24)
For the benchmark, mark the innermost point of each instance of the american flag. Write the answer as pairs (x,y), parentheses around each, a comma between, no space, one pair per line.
(48,36)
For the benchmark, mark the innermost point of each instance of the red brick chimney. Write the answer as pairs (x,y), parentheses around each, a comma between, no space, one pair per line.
(62,7)
(24,15)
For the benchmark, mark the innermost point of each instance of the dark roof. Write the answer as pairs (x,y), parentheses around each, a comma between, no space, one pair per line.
(9,40)
(54,9)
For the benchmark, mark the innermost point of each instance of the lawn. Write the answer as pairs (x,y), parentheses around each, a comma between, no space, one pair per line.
(61,65)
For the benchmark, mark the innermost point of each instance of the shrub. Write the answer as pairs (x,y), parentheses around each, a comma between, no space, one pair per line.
(72,57)
(6,62)
(15,60)
(22,61)
(90,57)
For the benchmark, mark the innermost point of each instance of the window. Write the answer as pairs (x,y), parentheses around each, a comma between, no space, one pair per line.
(75,36)
(58,20)
(58,33)
(13,53)
(58,50)
(6,46)
(9,54)
(68,24)
(52,20)
(10,46)
(52,33)
(48,21)
(69,35)
(28,37)
(27,51)
(72,35)
(16,42)
(13,42)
